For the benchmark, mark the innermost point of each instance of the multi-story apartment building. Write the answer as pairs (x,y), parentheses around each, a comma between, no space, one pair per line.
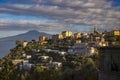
(66,34)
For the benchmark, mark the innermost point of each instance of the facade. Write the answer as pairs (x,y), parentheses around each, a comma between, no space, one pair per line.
(28,56)
(77,35)
(102,42)
(77,41)
(116,32)
(96,32)
(26,65)
(25,43)
(82,49)
(42,38)
(109,63)
(57,37)
(55,65)
(66,34)
(16,61)
(44,57)
(62,52)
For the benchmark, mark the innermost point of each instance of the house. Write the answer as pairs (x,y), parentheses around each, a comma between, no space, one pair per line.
(24,55)
(77,35)
(62,52)
(85,35)
(47,50)
(28,56)
(42,38)
(109,63)
(116,32)
(55,65)
(26,65)
(16,61)
(66,34)
(44,57)
(25,43)
(102,42)
(57,36)
(82,49)
(77,41)
(50,50)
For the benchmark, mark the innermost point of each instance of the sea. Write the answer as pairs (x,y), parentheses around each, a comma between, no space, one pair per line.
(6,45)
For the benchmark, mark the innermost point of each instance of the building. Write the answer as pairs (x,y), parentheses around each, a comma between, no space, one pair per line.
(116,32)
(109,63)
(77,35)
(42,38)
(66,34)
(55,65)
(26,65)
(57,37)
(77,41)
(82,49)
(62,52)
(48,50)
(102,42)
(16,61)
(96,32)
(25,43)
(44,57)
(28,56)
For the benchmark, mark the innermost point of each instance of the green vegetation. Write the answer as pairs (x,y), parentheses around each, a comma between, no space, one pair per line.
(74,67)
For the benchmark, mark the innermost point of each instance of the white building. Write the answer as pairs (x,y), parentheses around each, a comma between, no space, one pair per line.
(24,55)
(62,53)
(82,49)
(28,56)
(25,43)
(47,50)
(55,65)
(44,57)
(26,65)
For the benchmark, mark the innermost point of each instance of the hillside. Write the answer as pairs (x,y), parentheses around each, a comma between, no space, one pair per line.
(9,42)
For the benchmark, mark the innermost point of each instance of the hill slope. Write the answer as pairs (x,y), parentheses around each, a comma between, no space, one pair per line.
(9,42)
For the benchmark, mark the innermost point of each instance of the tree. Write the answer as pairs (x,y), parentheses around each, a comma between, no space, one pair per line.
(18,42)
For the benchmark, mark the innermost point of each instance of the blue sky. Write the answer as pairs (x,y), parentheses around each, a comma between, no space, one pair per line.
(54,16)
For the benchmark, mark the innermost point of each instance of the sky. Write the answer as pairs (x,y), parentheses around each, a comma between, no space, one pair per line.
(54,16)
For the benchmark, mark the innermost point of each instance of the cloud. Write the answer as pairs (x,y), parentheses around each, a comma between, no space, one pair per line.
(31,25)
(100,13)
